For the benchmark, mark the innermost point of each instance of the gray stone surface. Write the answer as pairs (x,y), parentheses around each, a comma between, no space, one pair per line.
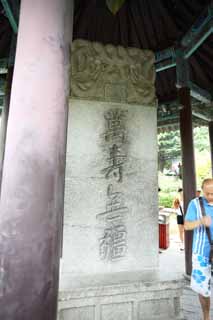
(156,292)
(109,267)
(119,311)
(191,305)
(92,198)
(81,313)
(132,296)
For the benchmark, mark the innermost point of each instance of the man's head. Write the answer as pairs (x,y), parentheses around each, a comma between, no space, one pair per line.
(207,187)
(198,192)
(180,191)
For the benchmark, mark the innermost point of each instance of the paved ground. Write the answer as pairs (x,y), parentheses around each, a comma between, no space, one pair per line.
(173,259)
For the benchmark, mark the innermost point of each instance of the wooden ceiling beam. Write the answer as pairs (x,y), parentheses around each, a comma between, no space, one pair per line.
(10,15)
(3,66)
(199,93)
(2,87)
(198,32)
(201,116)
(165,59)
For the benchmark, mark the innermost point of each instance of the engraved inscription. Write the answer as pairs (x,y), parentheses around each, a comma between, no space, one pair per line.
(113,244)
(116,161)
(115,129)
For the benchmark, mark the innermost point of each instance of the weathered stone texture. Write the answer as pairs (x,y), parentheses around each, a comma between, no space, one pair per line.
(97,190)
(108,73)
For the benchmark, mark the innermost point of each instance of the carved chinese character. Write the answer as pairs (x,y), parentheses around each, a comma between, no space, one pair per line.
(113,244)
(116,161)
(115,125)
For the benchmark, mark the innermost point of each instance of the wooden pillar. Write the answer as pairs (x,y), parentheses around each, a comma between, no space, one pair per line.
(31,203)
(186,134)
(211,142)
(188,165)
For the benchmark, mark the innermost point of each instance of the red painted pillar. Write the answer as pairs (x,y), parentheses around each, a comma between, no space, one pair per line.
(33,175)
(188,164)
(187,146)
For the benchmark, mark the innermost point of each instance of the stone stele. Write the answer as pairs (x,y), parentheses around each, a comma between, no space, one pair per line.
(111,191)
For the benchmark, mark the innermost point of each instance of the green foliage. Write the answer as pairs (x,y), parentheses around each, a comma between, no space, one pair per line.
(201,139)
(165,200)
(168,148)
(169,144)
(203,166)
(169,190)
(170,185)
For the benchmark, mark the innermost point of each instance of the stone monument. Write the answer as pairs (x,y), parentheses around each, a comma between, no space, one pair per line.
(110,246)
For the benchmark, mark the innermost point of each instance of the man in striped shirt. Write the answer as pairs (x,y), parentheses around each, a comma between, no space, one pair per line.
(201,268)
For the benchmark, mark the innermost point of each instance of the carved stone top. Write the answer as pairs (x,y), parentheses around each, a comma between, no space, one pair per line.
(109,73)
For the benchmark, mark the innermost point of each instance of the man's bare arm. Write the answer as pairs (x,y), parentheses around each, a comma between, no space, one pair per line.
(191,225)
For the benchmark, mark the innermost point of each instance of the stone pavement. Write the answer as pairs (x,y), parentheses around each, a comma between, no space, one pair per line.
(173,260)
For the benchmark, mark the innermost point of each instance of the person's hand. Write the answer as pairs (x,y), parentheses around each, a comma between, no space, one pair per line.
(206,221)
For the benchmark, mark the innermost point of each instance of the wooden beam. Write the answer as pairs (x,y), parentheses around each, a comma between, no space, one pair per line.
(1,103)
(2,87)
(199,93)
(165,59)
(168,118)
(198,32)
(201,116)
(164,54)
(10,15)
(196,35)
(164,65)
(3,66)
(182,69)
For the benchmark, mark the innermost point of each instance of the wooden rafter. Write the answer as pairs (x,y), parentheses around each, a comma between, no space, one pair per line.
(10,15)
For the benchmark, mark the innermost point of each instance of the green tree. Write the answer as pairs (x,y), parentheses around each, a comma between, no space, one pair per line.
(201,139)
(169,148)
(203,166)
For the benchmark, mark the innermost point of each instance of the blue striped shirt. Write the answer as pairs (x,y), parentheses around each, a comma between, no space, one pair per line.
(200,239)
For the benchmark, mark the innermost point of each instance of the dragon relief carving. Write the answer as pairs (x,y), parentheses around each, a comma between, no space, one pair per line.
(108,73)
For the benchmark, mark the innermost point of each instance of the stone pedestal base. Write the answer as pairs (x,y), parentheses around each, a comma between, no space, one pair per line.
(123,296)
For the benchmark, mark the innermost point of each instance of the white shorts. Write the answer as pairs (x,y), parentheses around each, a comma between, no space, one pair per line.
(201,275)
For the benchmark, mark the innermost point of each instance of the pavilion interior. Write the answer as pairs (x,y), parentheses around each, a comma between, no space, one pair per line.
(166,27)
(180,33)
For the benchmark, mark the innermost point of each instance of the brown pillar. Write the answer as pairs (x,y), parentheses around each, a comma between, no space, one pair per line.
(188,164)
(4,120)
(211,142)
(33,174)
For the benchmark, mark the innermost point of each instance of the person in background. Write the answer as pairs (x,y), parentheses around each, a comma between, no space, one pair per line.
(198,192)
(201,265)
(159,190)
(178,206)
